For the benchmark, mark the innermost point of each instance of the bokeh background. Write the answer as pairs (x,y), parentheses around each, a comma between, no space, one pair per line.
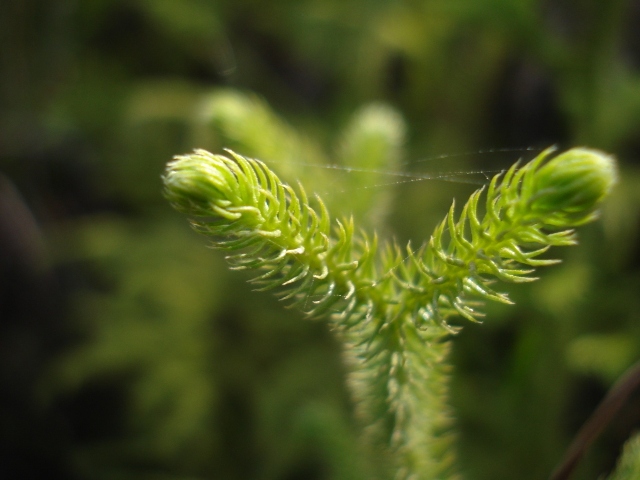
(127,351)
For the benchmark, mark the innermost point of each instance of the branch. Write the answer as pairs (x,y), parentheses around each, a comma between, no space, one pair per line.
(391,310)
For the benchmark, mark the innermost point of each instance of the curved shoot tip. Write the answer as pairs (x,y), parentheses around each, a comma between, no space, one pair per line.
(198,182)
(574,183)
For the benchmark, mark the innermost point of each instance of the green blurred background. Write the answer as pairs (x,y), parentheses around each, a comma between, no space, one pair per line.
(128,351)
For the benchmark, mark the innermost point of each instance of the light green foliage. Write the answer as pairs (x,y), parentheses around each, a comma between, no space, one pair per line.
(369,147)
(106,91)
(246,120)
(391,310)
(628,467)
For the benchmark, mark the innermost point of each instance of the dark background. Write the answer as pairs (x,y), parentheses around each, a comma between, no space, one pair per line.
(126,348)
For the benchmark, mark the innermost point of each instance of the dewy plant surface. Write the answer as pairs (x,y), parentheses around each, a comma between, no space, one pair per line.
(388,305)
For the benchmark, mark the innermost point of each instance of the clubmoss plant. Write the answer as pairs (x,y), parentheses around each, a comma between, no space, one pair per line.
(390,306)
